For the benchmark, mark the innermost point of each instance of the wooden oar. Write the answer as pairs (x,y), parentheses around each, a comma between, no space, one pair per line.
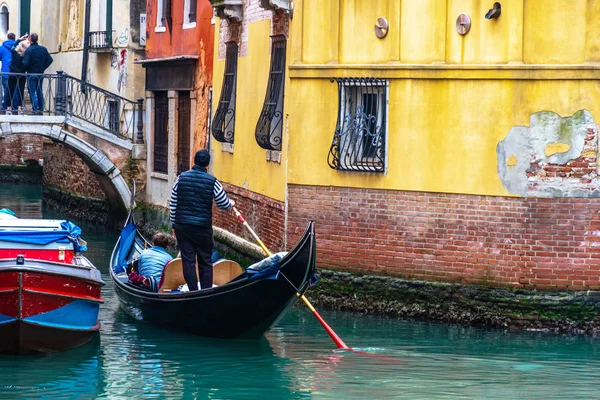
(337,340)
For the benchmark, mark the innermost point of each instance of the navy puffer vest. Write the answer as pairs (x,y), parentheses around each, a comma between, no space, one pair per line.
(195,197)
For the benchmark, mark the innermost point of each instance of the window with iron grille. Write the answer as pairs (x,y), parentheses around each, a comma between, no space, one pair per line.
(161,132)
(270,123)
(223,124)
(359,140)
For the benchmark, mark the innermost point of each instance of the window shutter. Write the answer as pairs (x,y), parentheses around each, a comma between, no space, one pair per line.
(193,6)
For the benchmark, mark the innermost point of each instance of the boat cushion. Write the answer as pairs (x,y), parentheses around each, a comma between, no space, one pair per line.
(267,268)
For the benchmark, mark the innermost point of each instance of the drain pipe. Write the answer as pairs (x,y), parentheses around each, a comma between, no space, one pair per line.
(86,41)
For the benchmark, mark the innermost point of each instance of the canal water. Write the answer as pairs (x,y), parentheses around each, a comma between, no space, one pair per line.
(402,359)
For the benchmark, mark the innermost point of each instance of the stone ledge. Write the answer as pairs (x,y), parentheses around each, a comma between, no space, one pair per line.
(512,309)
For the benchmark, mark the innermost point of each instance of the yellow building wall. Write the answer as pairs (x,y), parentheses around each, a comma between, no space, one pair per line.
(452,98)
(247,166)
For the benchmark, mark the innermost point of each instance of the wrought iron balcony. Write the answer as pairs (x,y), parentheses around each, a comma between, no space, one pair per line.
(101,41)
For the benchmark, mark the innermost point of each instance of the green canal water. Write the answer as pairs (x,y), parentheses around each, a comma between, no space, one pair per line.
(296,359)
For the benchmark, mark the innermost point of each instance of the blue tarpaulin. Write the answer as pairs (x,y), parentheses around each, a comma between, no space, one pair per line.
(68,232)
(126,240)
(267,268)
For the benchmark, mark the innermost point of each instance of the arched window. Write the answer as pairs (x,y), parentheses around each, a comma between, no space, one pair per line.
(4,19)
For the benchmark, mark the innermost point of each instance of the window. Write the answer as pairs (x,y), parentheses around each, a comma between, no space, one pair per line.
(189,10)
(4,20)
(163,14)
(223,124)
(270,123)
(184,105)
(161,132)
(359,139)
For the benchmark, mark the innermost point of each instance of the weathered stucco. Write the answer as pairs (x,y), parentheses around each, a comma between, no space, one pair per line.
(553,157)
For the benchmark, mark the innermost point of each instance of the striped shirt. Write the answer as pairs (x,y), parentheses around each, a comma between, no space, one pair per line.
(219,194)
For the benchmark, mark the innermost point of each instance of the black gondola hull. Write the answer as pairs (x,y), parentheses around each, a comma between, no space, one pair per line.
(242,308)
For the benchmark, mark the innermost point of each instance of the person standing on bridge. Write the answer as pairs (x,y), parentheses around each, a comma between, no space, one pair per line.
(35,61)
(191,216)
(16,82)
(6,58)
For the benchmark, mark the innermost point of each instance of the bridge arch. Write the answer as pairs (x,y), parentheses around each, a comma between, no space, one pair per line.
(108,174)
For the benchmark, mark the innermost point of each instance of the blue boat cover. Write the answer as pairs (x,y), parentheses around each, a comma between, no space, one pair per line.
(69,232)
(267,268)
(126,240)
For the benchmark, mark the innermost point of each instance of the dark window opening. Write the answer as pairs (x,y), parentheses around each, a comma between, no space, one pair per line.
(223,124)
(183,132)
(161,132)
(360,134)
(270,123)
(192,15)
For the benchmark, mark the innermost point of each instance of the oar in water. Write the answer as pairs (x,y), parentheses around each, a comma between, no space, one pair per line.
(337,340)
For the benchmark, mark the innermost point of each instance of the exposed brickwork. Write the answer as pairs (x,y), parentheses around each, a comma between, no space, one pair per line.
(238,31)
(580,173)
(532,243)
(17,149)
(65,171)
(264,215)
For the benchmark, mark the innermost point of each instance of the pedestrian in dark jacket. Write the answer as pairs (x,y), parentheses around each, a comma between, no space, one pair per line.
(16,83)
(36,60)
(5,57)
(191,216)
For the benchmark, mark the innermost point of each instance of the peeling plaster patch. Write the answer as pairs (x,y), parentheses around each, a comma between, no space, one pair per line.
(555,148)
(553,157)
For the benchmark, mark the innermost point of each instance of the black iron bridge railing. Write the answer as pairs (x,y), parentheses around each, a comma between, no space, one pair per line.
(61,94)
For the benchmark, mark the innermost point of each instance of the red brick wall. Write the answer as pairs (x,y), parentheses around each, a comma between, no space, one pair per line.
(17,148)
(264,215)
(65,170)
(531,243)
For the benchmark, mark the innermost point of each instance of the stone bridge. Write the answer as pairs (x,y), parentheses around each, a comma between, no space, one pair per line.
(104,129)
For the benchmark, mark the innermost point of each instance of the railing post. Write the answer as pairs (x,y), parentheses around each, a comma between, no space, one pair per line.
(61,93)
(140,121)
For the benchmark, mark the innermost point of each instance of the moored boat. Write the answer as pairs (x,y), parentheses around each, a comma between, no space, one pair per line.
(49,292)
(244,305)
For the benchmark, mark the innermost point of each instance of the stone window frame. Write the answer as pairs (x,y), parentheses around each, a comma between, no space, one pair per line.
(189,14)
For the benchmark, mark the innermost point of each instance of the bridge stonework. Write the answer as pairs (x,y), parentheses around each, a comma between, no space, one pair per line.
(105,155)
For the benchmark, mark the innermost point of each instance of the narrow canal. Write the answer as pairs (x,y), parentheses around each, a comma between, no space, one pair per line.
(295,360)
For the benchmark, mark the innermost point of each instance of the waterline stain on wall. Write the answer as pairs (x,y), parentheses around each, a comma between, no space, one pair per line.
(553,157)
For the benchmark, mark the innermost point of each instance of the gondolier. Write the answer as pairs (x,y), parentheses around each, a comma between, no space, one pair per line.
(191,217)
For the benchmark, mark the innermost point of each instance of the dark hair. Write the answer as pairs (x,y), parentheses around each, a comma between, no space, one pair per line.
(11,36)
(33,37)
(160,239)
(202,158)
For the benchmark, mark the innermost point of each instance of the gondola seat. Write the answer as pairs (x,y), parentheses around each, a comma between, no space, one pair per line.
(172,275)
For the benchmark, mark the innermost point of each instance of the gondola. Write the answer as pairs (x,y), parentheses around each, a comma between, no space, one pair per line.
(246,306)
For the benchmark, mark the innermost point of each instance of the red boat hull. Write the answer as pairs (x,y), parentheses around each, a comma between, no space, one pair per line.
(47,307)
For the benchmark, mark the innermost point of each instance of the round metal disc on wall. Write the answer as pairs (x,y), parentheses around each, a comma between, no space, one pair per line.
(463,24)
(381,28)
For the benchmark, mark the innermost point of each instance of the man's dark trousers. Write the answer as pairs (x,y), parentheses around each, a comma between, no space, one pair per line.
(195,244)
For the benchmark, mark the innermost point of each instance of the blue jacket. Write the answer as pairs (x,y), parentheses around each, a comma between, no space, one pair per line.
(195,194)
(5,54)
(151,264)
